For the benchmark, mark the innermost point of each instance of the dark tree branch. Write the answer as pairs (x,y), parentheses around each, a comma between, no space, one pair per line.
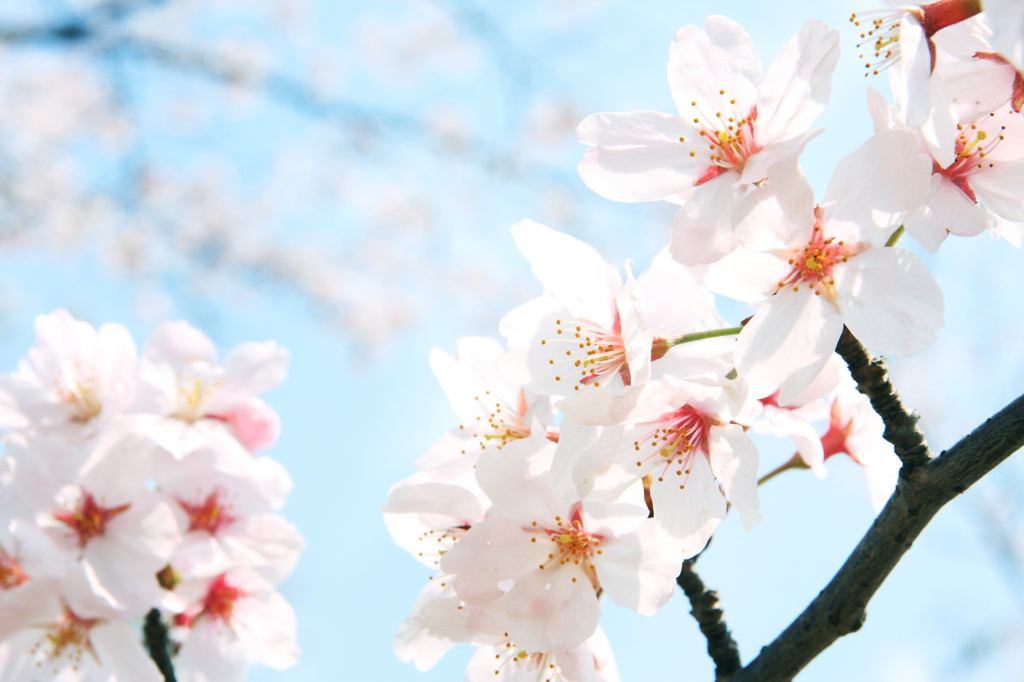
(705,609)
(158,644)
(841,607)
(872,377)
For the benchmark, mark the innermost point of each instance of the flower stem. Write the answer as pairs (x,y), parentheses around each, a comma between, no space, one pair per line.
(710,334)
(895,236)
(795,462)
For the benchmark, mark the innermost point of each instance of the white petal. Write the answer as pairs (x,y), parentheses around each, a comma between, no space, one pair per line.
(734,461)
(889,301)
(1001,189)
(948,209)
(638,156)
(552,607)
(121,654)
(689,513)
(787,343)
(638,570)
(702,228)
(702,63)
(799,81)
(573,272)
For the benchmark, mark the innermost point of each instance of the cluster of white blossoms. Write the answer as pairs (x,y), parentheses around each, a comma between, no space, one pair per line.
(604,443)
(130,484)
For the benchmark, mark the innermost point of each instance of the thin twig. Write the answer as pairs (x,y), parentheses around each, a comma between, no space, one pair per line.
(158,644)
(872,377)
(841,607)
(705,609)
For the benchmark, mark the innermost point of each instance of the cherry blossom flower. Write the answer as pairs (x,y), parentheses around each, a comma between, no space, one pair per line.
(46,638)
(811,269)
(592,661)
(856,429)
(97,513)
(749,124)
(226,514)
(796,419)
(552,557)
(900,41)
(75,380)
(591,329)
(492,411)
(188,396)
(680,434)
(233,619)
(982,188)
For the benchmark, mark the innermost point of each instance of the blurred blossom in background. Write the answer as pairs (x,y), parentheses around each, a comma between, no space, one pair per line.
(340,177)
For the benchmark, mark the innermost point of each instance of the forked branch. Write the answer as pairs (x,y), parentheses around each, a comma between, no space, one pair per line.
(930,483)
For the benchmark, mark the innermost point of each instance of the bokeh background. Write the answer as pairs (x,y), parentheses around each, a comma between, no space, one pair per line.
(340,176)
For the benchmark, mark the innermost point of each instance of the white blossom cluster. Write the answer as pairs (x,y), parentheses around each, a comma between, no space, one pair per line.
(604,443)
(130,484)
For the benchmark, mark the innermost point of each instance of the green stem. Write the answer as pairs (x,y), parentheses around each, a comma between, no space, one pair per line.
(697,336)
(796,462)
(895,236)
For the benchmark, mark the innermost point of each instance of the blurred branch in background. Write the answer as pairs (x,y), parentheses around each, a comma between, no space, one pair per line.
(197,147)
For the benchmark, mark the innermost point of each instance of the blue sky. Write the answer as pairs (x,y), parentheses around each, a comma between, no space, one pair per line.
(354,423)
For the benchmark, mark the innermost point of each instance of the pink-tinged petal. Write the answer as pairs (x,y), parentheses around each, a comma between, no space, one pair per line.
(1004,229)
(692,512)
(177,343)
(570,270)
(675,303)
(702,228)
(947,210)
(423,514)
(255,424)
(622,516)
(267,543)
(638,156)
(552,607)
(880,183)
(889,301)
(702,63)
(734,461)
(799,82)
(976,87)
(744,275)
(638,571)
(119,651)
(490,552)
(1001,189)
(787,343)
(465,376)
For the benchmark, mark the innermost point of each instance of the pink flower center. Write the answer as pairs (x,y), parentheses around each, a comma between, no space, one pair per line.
(11,574)
(834,440)
(69,638)
(971,148)
(210,514)
(814,264)
(585,354)
(678,436)
(730,136)
(220,599)
(573,544)
(90,518)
